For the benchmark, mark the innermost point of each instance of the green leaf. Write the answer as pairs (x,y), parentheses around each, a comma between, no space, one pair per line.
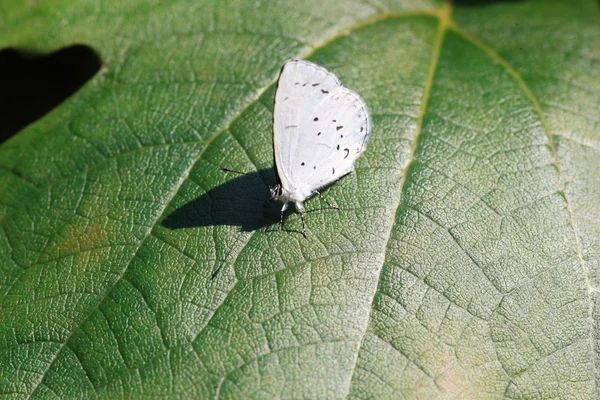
(464,261)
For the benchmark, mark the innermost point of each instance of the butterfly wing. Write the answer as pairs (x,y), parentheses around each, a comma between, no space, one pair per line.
(301,85)
(319,128)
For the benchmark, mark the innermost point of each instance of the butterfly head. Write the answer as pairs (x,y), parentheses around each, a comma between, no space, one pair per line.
(276,191)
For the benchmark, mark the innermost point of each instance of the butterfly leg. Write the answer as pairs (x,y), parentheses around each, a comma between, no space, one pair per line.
(300,208)
(326,201)
(285,206)
(303,226)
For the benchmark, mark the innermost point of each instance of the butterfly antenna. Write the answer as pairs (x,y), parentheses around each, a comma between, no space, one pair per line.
(234,171)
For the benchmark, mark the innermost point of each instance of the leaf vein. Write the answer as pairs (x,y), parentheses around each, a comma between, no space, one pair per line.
(443,15)
(550,136)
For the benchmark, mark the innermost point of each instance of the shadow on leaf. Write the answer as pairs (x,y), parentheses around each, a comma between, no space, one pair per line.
(33,84)
(242,201)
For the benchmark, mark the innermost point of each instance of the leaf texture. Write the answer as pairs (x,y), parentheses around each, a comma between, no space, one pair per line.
(464,259)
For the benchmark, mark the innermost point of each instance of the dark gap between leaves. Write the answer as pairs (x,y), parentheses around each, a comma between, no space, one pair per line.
(32,84)
(484,2)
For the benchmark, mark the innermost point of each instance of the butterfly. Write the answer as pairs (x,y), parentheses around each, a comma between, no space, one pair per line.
(320,128)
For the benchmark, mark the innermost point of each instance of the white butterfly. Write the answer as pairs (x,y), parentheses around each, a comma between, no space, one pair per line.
(319,130)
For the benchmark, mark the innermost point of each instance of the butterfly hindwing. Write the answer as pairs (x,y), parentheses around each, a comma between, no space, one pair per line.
(338,138)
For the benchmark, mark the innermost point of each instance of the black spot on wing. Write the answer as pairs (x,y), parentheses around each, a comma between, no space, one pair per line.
(315,84)
(338,147)
(347,153)
(316,119)
(332,171)
(337,128)
(302,164)
(319,134)
(324,91)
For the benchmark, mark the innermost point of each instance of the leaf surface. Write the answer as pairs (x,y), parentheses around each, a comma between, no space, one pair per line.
(464,259)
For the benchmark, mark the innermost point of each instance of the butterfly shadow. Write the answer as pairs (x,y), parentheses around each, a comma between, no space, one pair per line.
(242,201)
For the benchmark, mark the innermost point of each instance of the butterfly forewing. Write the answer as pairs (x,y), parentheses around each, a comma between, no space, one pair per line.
(319,127)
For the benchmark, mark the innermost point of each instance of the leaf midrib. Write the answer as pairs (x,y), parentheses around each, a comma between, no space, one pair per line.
(444,19)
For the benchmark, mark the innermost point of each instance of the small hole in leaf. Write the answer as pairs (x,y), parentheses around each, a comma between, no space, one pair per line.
(33,84)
